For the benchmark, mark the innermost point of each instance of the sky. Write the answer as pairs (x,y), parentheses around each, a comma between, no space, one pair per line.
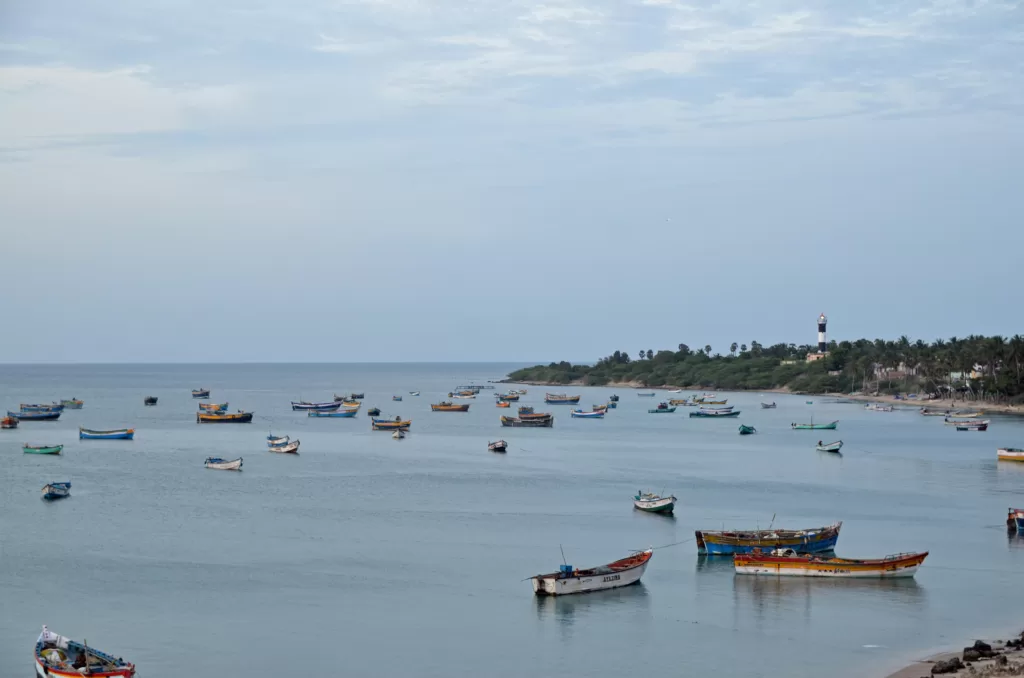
(418,180)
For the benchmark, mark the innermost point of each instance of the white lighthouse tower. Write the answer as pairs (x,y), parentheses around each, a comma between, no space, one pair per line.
(822,344)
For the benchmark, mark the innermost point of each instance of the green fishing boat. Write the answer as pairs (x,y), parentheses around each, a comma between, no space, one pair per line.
(747,430)
(831,426)
(42,449)
(662,407)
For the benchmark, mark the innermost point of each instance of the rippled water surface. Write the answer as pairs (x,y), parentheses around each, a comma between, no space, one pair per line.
(407,558)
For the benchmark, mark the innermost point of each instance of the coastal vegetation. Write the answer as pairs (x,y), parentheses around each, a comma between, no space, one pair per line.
(972,368)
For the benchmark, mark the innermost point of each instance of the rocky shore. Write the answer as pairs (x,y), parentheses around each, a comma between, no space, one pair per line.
(979,660)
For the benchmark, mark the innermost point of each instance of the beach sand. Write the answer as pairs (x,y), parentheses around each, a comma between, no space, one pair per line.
(1007,659)
(946,404)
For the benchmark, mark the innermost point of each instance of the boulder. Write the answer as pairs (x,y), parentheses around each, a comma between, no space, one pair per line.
(947,666)
(971,655)
(982,646)
(1001,660)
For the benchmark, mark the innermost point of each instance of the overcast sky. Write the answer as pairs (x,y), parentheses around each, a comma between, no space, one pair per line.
(503,180)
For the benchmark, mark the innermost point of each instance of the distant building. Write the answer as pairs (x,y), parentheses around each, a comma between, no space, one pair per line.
(814,357)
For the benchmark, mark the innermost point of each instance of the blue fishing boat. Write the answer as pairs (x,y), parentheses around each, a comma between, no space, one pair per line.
(302,405)
(816,540)
(273,440)
(341,414)
(52,407)
(580,414)
(35,416)
(200,393)
(1016,520)
(53,491)
(116,434)
(397,398)
(715,413)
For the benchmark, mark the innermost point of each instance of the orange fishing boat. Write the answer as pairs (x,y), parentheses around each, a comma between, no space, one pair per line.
(449,406)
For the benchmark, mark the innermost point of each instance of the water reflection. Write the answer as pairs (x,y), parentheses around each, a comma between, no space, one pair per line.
(567,610)
(774,592)
(706,563)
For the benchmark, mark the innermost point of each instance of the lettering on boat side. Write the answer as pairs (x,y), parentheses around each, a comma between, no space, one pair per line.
(613,577)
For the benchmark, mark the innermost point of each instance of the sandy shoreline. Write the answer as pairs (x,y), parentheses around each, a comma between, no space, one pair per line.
(980,659)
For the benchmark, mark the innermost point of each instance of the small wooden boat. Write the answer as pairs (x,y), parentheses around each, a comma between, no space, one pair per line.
(561,399)
(829,447)
(831,426)
(653,503)
(503,403)
(288,448)
(449,406)
(809,402)
(677,402)
(114,434)
(924,411)
(662,408)
(1010,454)
(273,441)
(390,425)
(747,430)
(580,414)
(546,421)
(9,422)
(356,396)
(1015,520)
(339,414)
(768,406)
(727,408)
(715,413)
(966,422)
(56,490)
(302,405)
(787,562)
(52,407)
(458,396)
(200,393)
(399,434)
(612,405)
(150,401)
(213,407)
(816,540)
(35,416)
(72,404)
(965,414)
(613,398)
(497,446)
(599,408)
(41,449)
(646,395)
(713,402)
(351,404)
(875,407)
(373,412)
(223,418)
(223,464)
(60,657)
(508,397)
(983,426)
(528,413)
(569,580)
(397,398)
(468,392)
(414,393)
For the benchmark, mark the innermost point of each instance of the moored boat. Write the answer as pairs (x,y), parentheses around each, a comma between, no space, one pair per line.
(339,414)
(223,464)
(414,393)
(373,412)
(497,446)
(56,490)
(273,440)
(613,398)
(677,402)
(213,407)
(462,396)
(51,415)
(715,413)
(653,503)
(149,401)
(875,407)
(924,411)
(528,413)
(9,422)
(580,414)
(291,447)
(814,540)
(62,657)
(30,407)
(72,403)
(1015,520)
(448,406)
(747,430)
(508,397)
(41,449)
(200,393)
(546,421)
(646,395)
(831,426)
(829,447)
(713,402)
(223,418)
(569,580)
(787,562)
(983,426)
(302,405)
(503,403)
(561,399)
(114,434)
(1010,454)
(397,398)
(768,406)
(965,422)
(390,425)
(662,408)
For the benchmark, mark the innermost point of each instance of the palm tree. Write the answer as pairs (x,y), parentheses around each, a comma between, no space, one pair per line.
(733,347)
(743,348)
(643,354)
(650,354)
(707,350)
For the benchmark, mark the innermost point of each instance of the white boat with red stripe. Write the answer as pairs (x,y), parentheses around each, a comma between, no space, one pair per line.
(569,580)
(65,658)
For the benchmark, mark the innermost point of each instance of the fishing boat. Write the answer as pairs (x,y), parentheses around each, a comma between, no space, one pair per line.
(980,426)
(339,414)
(497,446)
(302,405)
(468,392)
(662,408)
(1015,520)
(809,402)
(414,393)
(503,403)
(561,399)
(676,402)
(458,396)
(831,426)
(56,490)
(646,395)
(727,408)
(815,540)
(35,416)
(747,430)
(213,407)
(291,447)
(527,412)
(612,405)
(829,447)
(200,393)
(713,402)
(964,414)
(62,657)
(390,425)
(768,406)
(223,464)
(569,580)
(114,434)
(538,422)
(508,397)
(397,398)
(580,414)
(356,396)
(653,503)
(41,449)
(966,422)
(223,418)
(924,411)
(449,406)
(9,422)
(787,562)
(875,407)
(373,412)
(599,408)
(613,398)
(52,407)
(149,401)
(715,413)
(273,441)
(1010,454)
(351,404)
(72,404)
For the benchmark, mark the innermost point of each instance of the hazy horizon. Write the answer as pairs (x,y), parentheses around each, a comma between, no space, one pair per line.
(418,181)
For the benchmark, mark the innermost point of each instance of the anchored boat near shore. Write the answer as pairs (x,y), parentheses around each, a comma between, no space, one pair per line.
(814,540)
(787,562)
(569,580)
(653,503)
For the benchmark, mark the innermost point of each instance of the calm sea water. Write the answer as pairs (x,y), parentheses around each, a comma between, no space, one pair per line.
(406,558)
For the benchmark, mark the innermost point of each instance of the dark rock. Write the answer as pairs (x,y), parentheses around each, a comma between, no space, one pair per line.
(971,655)
(1001,660)
(982,646)
(947,666)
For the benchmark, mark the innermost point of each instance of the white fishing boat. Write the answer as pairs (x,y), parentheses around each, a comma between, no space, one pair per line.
(653,503)
(1010,454)
(786,562)
(274,441)
(875,407)
(830,447)
(464,397)
(569,580)
(768,406)
(287,448)
(60,657)
(53,491)
(223,464)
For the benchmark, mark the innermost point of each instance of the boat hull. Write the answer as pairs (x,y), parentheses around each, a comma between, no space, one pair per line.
(287,448)
(664,410)
(224,465)
(545,422)
(710,415)
(56,491)
(893,567)
(320,407)
(602,579)
(45,449)
(1010,454)
(35,416)
(119,434)
(659,505)
(343,414)
(818,540)
(72,404)
(831,426)
(831,447)
(561,400)
(48,672)
(212,418)
(385,425)
(450,408)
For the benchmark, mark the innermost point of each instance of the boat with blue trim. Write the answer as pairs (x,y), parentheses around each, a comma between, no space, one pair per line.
(213,407)
(725,543)
(200,393)
(1015,520)
(36,416)
(611,576)
(72,404)
(580,414)
(52,407)
(561,399)
(53,491)
(60,657)
(115,434)
(340,414)
(302,406)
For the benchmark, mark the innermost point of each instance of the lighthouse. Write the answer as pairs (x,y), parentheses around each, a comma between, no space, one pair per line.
(822,344)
